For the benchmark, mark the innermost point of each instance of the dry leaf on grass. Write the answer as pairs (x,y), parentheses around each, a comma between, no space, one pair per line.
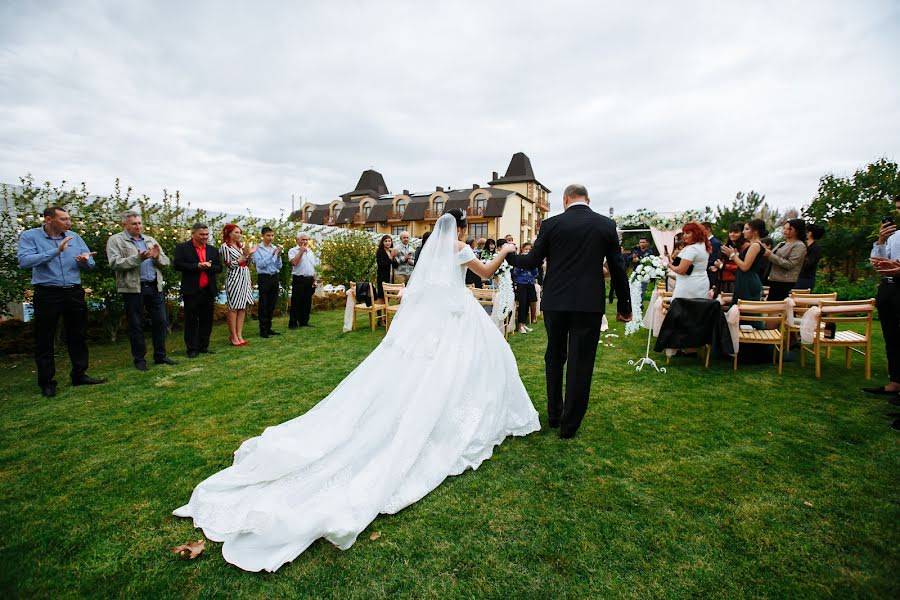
(190,550)
(375,536)
(807,503)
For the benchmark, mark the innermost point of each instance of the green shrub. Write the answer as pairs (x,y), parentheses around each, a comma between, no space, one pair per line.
(846,289)
(348,257)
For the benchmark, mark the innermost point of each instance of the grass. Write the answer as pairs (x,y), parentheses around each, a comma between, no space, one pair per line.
(690,484)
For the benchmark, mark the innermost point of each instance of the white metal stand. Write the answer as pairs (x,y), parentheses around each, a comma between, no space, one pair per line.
(646,360)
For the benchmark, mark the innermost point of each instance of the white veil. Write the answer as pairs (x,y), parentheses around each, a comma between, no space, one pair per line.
(436,287)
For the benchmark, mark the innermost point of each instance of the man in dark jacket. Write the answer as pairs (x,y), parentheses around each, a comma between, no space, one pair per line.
(573,300)
(199,263)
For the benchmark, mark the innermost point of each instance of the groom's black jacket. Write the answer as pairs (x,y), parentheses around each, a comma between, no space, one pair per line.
(575,244)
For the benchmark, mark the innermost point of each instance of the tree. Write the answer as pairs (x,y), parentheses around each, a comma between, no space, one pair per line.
(348,257)
(852,209)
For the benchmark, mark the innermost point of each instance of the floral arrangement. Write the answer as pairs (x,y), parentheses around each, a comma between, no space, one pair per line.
(504,266)
(648,269)
(649,218)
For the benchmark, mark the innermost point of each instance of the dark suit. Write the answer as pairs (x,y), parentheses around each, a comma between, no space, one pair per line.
(198,302)
(714,253)
(573,300)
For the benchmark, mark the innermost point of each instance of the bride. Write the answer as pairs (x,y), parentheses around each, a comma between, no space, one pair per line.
(377,443)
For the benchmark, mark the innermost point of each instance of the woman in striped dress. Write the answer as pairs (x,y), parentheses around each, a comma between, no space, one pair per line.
(238,291)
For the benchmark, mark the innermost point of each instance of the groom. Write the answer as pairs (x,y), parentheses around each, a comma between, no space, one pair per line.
(573,300)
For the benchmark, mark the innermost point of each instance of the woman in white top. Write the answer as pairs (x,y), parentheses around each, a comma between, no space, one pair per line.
(366,449)
(692,283)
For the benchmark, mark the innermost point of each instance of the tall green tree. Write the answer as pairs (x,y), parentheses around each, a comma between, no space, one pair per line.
(851,209)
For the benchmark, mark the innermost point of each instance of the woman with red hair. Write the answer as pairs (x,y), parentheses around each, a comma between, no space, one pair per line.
(238,291)
(690,263)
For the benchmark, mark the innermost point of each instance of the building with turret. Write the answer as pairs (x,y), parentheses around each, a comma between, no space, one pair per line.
(514,204)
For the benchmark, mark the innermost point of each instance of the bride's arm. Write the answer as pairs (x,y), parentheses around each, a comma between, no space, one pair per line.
(486,271)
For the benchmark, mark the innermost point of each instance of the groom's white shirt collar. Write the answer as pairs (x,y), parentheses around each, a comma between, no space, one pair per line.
(571,204)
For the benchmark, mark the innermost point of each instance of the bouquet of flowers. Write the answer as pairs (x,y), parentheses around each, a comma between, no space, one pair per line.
(504,266)
(649,268)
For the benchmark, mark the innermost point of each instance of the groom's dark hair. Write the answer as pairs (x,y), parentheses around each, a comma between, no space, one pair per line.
(576,191)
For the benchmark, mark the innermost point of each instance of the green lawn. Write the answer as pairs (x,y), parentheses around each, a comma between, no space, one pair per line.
(690,484)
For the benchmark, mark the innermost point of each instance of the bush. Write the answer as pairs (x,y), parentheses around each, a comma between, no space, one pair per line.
(348,257)
(860,289)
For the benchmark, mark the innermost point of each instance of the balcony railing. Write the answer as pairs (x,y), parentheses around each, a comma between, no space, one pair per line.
(543,205)
(395,215)
(330,220)
(432,214)
(524,222)
(537,224)
(476,211)
(359,219)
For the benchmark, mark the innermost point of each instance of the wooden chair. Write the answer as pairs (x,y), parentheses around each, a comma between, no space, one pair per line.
(725,299)
(485,297)
(846,311)
(800,291)
(803,301)
(392,292)
(373,311)
(765,312)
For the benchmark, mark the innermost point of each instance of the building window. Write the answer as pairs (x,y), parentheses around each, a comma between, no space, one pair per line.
(366,209)
(401,206)
(397,229)
(438,206)
(369,229)
(478,230)
(309,212)
(480,205)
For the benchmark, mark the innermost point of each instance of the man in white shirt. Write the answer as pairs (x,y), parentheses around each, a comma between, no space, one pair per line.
(303,281)
(406,255)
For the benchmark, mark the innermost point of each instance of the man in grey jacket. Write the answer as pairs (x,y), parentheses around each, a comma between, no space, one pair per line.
(137,260)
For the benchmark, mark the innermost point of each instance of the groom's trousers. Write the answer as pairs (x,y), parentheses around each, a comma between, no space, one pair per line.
(572,338)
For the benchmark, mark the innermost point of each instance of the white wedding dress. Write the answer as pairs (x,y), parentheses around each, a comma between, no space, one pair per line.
(433,399)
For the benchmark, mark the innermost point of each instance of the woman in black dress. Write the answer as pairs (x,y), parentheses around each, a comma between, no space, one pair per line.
(750,262)
(386,257)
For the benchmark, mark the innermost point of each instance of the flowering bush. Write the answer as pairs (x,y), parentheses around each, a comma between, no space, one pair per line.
(648,269)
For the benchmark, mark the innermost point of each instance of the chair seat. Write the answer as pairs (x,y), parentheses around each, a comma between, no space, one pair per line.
(843,337)
(760,335)
(393,308)
(364,306)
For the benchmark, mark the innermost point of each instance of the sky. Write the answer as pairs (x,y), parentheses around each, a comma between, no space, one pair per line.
(657,105)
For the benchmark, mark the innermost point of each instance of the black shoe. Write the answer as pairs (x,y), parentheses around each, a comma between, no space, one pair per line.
(49,390)
(307,325)
(193,354)
(293,326)
(274,333)
(141,366)
(879,390)
(87,380)
(207,351)
(566,434)
(264,335)
(165,361)
(553,423)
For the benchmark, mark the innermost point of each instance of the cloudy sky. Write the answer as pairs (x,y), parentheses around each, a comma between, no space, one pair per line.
(660,105)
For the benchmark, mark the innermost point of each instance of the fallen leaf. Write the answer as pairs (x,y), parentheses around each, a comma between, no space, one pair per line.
(807,504)
(375,536)
(770,434)
(589,450)
(190,550)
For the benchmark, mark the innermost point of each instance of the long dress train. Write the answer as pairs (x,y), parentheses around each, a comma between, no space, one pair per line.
(432,400)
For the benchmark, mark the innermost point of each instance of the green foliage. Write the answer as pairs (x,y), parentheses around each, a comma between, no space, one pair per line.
(846,289)
(851,208)
(348,257)
(744,207)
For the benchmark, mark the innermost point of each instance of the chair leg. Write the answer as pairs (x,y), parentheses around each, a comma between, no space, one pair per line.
(372,319)
(868,360)
(353,324)
(818,362)
(778,349)
(802,355)
(735,361)
(708,352)
(847,358)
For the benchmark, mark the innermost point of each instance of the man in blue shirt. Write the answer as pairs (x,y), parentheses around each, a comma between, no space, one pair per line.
(56,257)
(267,258)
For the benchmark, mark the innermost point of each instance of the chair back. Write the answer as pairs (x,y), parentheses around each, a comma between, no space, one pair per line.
(847,311)
(485,297)
(805,301)
(768,312)
(765,293)
(666,300)
(392,293)
(800,291)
